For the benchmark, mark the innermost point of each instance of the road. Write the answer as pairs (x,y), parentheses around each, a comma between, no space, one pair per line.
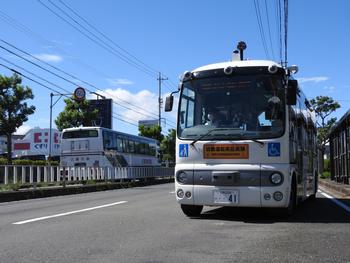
(146,225)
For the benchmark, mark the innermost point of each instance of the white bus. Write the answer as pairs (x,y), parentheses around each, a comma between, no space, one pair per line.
(246,137)
(101,147)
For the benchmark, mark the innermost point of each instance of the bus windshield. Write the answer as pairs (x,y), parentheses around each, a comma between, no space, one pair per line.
(80,134)
(233,107)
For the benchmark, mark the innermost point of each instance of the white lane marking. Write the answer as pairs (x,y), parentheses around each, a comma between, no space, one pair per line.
(341,204)
(173,192)
(67,213)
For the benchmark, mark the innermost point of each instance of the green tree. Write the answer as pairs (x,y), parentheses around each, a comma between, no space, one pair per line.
(14,110)
(154,132)
(76,114)
(324,106)
(168,147)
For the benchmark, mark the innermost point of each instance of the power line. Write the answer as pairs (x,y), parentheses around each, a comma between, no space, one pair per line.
(33,80)
(39,38)
(279,27)
(269,30)
(53,90)
(49,71)
(285,32)
(58,69)
(53,84)
(128,58)
(100,42)
(106,37)
(261,27)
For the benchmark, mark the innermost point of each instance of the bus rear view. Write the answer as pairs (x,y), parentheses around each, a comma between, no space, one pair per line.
(237,139)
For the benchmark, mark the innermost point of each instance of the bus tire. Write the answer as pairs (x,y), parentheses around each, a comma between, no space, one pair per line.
(289,210)
(192,210)
(313,196)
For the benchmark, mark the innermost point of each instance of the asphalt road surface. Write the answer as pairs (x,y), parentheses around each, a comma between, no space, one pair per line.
(146,225)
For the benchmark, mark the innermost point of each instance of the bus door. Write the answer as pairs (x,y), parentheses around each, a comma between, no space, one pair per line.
(301,158)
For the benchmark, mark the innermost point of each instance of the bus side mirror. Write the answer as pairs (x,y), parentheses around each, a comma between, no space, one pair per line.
(169,103)
(292,92)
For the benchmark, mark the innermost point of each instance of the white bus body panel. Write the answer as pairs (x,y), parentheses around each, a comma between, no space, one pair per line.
(259,161)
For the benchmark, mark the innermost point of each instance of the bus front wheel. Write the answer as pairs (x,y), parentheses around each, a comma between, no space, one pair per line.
(192,210)
(288,211)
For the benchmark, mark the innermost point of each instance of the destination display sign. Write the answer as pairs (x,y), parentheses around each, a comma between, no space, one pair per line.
(226,151)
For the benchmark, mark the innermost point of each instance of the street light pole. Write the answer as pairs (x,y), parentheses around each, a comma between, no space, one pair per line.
(51,106)
(50,135)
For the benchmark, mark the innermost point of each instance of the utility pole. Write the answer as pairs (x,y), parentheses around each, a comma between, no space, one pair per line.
(160,100)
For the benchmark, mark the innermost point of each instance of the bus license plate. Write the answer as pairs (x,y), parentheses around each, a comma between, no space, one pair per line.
(225,197)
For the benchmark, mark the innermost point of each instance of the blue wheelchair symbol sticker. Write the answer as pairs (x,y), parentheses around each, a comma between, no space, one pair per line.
(183,151)
(274,149)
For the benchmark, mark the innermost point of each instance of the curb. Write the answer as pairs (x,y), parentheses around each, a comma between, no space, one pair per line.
(71,190)
(340,188)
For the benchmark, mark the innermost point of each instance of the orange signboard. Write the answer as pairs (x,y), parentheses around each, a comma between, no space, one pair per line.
(226,151)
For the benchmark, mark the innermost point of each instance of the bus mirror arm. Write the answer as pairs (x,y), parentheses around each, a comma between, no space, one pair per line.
(292,92)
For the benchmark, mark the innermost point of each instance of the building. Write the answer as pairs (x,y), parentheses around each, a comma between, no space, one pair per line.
(340,150)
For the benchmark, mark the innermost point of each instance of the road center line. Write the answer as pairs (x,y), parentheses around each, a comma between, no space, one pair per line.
(67,213)
(333,199)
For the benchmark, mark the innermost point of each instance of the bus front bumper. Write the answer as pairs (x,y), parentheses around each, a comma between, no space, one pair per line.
(247,196)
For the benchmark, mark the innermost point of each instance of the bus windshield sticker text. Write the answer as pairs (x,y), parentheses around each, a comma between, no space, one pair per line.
(274,149)
(183,150)
(226,151)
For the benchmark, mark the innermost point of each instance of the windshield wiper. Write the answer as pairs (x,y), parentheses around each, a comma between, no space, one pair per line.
(207,133)
(223,129)
(257,141)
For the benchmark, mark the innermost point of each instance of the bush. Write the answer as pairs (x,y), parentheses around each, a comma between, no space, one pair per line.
(326,165)
(3,161)
(39,163)
(326,175)
(22,162)
(31,162)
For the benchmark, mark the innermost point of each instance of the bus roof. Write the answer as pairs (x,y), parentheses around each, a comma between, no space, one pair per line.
(239,63)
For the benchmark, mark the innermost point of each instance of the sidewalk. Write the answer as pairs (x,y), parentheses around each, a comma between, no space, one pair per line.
(341,189)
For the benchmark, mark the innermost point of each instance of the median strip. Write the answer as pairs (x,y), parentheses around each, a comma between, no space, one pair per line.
(337,202)
(67,213)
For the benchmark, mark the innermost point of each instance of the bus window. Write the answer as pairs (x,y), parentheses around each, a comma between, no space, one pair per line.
(125,146)
(137,147)
(119,144)
(152,150)
(142,148)
(146,148)
(80,134)
(131,146)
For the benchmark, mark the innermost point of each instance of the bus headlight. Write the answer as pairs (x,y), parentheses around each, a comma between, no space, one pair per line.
(181,177)
(276,178)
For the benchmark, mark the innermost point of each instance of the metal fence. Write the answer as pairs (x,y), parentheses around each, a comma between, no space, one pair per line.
(22,174)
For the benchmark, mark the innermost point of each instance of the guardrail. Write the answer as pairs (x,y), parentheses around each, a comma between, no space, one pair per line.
(23,174)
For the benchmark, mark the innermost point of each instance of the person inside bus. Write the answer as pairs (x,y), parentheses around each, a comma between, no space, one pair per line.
(251,123)
(214,118)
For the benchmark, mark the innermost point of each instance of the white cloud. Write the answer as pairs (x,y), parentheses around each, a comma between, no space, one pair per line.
(329,89)
(48,57)
(119,82)
(62,43)
(142,105)
(145,101)
(23,129)
(313,79)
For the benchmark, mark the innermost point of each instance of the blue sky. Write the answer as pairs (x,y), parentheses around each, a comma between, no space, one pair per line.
(170,37)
